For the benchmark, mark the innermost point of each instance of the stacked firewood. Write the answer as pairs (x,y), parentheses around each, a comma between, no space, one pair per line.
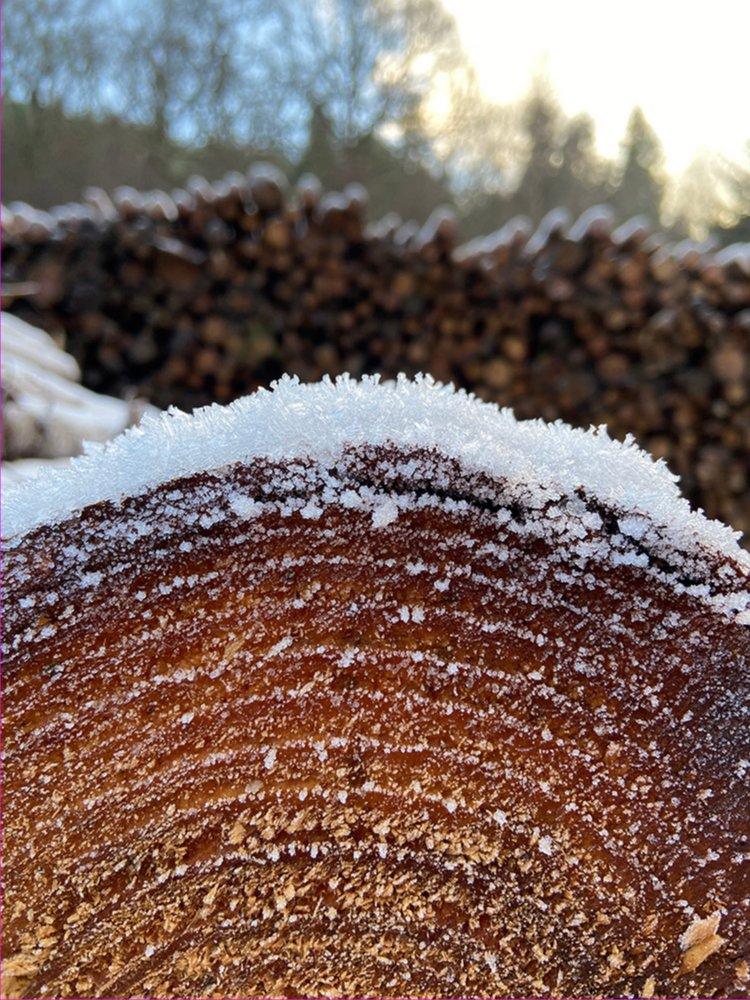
(206,293)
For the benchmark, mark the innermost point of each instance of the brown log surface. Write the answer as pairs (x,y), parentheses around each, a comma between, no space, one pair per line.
(312,752)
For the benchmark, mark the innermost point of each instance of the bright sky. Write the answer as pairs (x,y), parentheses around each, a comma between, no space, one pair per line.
(685,62)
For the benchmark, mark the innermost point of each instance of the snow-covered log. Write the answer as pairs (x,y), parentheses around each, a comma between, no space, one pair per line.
(46,412)
(366,689)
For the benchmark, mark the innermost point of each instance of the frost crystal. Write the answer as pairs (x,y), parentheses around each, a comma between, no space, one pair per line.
(321,419)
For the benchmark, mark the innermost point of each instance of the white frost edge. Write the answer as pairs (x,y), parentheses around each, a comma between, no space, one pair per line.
(321,419)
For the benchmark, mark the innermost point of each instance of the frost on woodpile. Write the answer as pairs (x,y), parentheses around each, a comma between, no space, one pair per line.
(47,413)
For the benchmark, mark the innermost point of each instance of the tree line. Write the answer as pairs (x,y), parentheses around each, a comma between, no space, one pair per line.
(148,92)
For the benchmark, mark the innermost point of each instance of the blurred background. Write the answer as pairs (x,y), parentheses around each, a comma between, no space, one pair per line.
(548,204)
(492,107)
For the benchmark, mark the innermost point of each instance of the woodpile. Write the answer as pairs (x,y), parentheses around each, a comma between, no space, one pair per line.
(203,294)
